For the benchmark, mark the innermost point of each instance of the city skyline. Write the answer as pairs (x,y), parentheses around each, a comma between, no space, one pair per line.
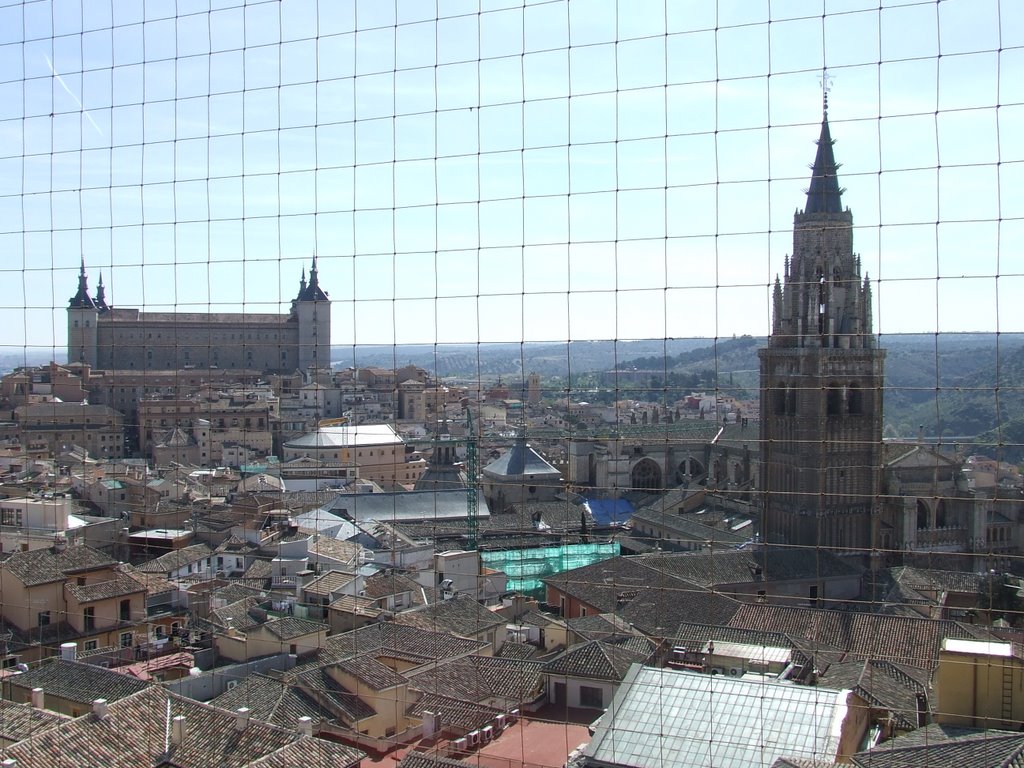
(584,176)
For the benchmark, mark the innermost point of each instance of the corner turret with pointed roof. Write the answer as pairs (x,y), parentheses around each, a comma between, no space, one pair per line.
(82,299)
(101,296)
(311,291)
(83,314)
(312,310)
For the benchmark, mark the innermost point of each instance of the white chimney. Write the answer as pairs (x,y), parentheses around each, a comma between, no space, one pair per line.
(69,651)
(305,727)
(99,708)
(178,731)
(241,718)
(37,698)
(9,762)
(429,724)
(60,542)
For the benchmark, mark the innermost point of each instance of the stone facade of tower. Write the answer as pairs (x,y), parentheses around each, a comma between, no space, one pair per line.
(821,382)
(130,339)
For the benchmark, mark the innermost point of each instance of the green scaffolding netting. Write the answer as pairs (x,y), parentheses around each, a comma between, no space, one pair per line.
(526,567)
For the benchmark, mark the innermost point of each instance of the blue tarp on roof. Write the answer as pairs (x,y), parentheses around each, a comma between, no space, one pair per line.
(610,511)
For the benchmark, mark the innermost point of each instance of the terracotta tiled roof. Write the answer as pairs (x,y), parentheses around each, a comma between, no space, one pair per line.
(120,585)
(517,651)
(310,753)
(359,606)
(484,679)
(237,615)
(176,559)
(598,660)
(334,699)
(329,583)
(371,672)
(901,639)
(882,684)
(391,582)
(19,721)
(933,580)
(399,641)
(290,627)
(462,615)
(77,681)
(268,698)
(422,760)
(43,566)
(747,566)
(454,712)
(283,699)
(155,583)
(138,730)
(598,625)
(938,745)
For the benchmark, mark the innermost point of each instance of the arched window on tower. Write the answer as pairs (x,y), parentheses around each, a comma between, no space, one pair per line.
(922,515)
(833,400)
(854,400)
(780,400)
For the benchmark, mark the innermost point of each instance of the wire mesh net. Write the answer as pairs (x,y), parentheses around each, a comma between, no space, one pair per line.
(357,325)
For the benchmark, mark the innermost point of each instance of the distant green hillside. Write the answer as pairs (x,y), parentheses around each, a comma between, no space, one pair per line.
(967,388)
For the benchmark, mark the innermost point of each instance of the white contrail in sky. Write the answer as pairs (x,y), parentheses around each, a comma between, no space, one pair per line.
(72,95)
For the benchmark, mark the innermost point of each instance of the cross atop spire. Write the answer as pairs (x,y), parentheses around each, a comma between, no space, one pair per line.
(826,86)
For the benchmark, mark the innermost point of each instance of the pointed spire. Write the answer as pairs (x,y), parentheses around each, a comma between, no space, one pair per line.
(82,300)
(824,194)
(101,296)
(869,322)
(777,306)
(312,290)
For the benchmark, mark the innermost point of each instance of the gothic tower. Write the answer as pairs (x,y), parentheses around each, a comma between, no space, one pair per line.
(82,315)
(821,382)
(312,309)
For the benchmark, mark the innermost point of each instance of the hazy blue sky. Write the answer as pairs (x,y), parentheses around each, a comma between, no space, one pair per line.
(485,171)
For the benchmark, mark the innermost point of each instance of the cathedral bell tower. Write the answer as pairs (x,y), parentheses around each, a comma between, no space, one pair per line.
(821,382)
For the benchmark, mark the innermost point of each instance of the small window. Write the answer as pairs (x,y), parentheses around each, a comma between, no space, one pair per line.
(126,640)
(90,645)
(590,697)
